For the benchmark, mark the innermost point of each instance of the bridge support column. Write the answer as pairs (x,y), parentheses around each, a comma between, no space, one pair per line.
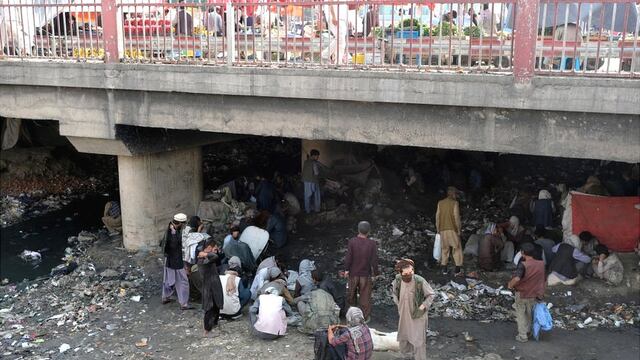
(154,187)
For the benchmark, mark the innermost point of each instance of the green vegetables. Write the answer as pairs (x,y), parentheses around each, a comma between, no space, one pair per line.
(472,31)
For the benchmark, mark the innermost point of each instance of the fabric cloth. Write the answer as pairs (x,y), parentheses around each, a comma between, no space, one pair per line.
(532,282)
(471,246)
(323,350)
(547,248)
(243,252)
(318,310)
(448,216)
(281,286)
(358,341)
(311,171)
(111,217)
(176,280)
(231,295)
(541,319)
(610,269)
(267,263)
(412,331)
(543,212)
(311,193)
(489,250)
(190,241)
(362,257)
(266,196)
(277,228)
(211,318)
(173,248)
(564,261)
(450,241)
(556,279)
(268,315)
(359,293)
(304,276)
(337,290)
(508,252)
(524,314)
(261,278)
(212,293)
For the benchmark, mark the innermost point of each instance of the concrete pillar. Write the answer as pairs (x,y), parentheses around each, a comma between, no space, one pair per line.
(153,188)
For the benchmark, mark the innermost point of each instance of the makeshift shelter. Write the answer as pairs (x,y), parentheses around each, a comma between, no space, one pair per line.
(614,220)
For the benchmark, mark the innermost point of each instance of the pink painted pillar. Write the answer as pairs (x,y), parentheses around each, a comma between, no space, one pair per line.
(525,33)
(110,31)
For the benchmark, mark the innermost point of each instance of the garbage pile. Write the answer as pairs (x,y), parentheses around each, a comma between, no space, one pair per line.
(31,313)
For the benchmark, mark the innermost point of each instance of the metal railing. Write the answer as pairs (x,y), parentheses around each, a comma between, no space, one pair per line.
(523,37)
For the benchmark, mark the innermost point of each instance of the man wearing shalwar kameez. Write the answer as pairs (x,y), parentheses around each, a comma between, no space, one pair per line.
(175,275)
(414,296)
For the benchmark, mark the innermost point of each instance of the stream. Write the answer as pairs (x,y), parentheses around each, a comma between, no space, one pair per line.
(48,235)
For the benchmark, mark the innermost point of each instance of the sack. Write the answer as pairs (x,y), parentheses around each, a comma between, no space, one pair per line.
(541,319)
(437,248)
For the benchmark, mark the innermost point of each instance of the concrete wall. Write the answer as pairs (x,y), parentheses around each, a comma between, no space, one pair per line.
(155,187)
(587,94)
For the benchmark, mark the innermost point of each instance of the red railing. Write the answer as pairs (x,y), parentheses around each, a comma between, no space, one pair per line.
(523,37)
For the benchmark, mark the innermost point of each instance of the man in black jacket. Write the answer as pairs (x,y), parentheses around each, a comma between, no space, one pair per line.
(175,273)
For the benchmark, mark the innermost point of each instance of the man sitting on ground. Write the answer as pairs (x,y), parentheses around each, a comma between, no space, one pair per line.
(607,267)
(111,218)
(563,267)
(588,243)
(235,247)
(268,315)
(357,337)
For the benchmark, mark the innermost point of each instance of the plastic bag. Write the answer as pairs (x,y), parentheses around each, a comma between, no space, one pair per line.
(437,248)
(541,319)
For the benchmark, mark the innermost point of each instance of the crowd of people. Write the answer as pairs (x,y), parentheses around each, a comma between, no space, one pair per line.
(233,280)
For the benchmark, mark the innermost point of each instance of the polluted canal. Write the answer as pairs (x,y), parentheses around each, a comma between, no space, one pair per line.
(47,236)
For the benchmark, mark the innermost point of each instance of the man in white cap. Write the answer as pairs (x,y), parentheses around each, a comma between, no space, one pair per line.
(175,273)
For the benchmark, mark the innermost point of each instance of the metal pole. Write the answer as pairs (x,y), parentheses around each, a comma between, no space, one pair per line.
(231,40)
(525,33)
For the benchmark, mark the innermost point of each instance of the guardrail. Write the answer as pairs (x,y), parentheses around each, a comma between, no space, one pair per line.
(523,37)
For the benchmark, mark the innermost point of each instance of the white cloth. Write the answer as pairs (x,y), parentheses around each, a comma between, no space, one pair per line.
(190,241)
(231,301)
(271,316)
(262,277)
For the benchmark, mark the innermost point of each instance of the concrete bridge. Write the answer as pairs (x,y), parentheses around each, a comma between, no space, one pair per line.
(490,93)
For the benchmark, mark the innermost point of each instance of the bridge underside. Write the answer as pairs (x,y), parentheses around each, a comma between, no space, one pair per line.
(123,111)
(94,113)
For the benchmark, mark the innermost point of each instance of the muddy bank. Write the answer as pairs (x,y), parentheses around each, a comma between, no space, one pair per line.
(109,308)
(38,180)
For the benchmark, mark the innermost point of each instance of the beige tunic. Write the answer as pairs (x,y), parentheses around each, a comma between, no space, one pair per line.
(411,330)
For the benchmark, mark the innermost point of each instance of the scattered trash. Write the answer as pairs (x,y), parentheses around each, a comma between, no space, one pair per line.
(64,347)
(142,343)
(136,298)
(468,337)
(28,255)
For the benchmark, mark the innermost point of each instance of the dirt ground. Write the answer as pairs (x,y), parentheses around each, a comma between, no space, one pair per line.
(113,331)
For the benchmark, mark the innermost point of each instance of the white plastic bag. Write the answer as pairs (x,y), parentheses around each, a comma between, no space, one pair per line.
(437,248)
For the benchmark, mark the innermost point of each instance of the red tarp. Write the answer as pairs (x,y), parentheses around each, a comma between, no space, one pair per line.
(613,220)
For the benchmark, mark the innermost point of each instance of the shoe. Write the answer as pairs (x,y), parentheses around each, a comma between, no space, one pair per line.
(188,307)
(445,271)
(236,317)
(521,339)
(165,301)
(459,274)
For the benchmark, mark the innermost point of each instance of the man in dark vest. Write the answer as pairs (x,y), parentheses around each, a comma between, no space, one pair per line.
(529,283)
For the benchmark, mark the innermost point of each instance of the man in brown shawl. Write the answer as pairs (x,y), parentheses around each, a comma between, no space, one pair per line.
(414,296)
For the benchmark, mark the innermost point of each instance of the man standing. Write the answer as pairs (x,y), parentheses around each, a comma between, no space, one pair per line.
(529,283)
(212,296)
(175,274)
(311,180)
(413,296)
(448,226)
(361,263)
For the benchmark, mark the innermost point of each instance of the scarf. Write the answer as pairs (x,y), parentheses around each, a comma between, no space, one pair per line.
(491,228)
(304,273)
(514,225)
(355,316)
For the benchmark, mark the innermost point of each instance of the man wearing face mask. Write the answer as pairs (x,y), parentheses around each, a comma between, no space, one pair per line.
(175,274)
(413,296)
